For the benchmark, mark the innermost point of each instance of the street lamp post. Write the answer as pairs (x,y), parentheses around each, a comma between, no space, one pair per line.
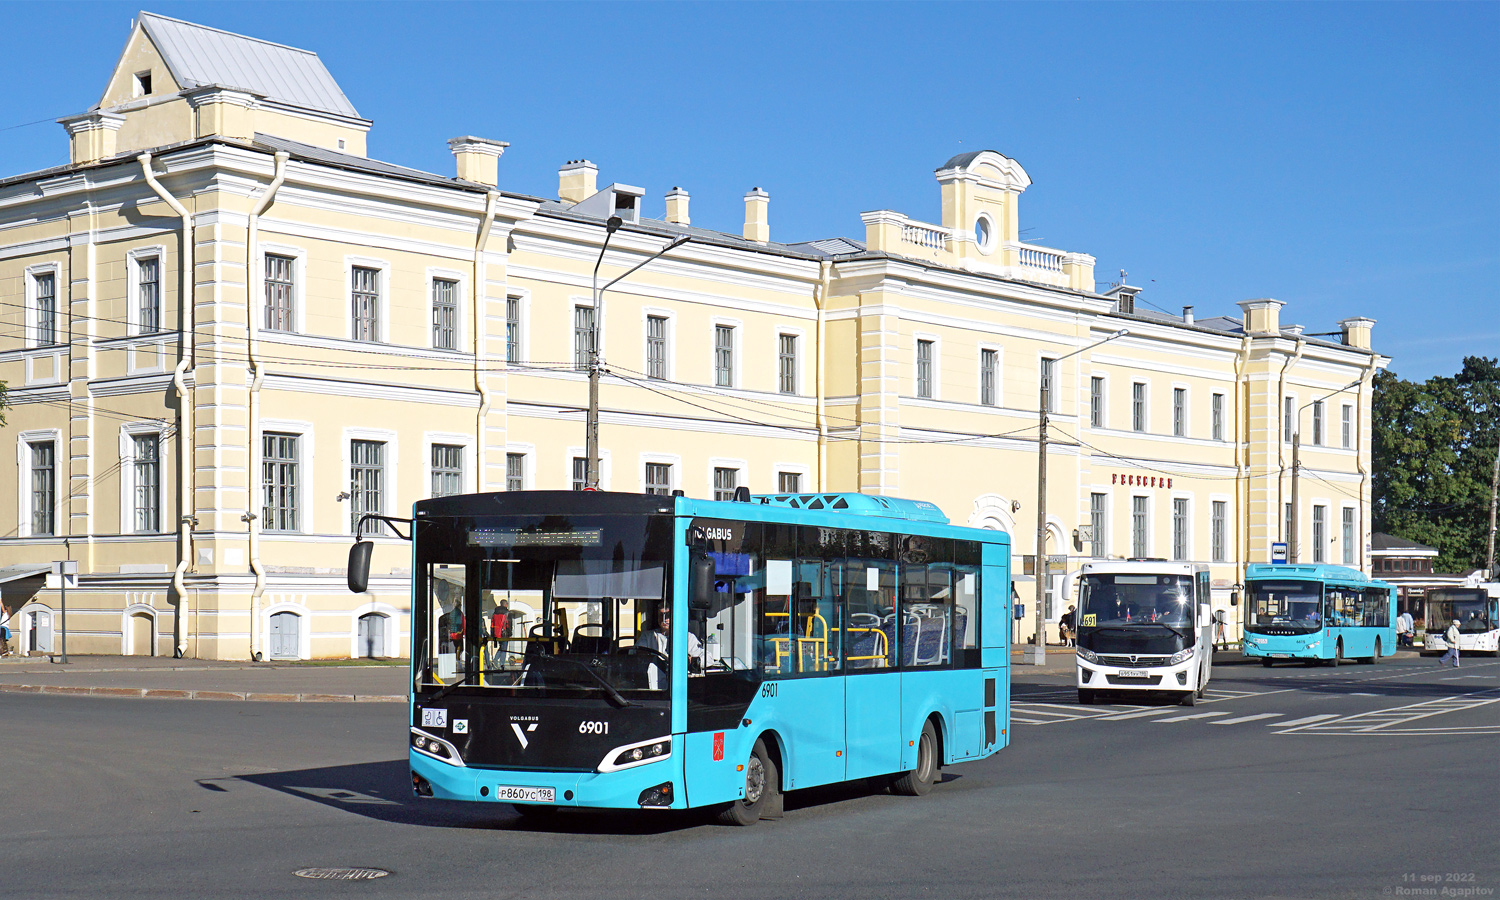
(1039,570)
(1292,527)
(596,349)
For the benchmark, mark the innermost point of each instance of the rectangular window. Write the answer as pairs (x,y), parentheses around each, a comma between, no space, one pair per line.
(280,296)
(1096,402)
(656,347)
(583,337)
(280,482)
(447,470)
(1138,523)
(1100,544)
(512,329)
(924,369)
(147,472)
(786,364)
(1288,417)
(43,488)
(148,272)
(725,481)
(1217,409)
(515,471)
(1179,411)
(1179,528)
(580,473)
(1317,423)
(1049,384)
(366,482)
(789,482)
(1346,422)
(724,355)
(445,315)
(1138,406)
(1347,536)
(46,310)
(1219,526)
(1320,533)
(366,300)
(659,478)
(989,377)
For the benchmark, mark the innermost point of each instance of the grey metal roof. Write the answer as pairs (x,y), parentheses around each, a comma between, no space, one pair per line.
(15,573)
(198,55)
(1390,543)
(962,159)
(830,246)
(313,153)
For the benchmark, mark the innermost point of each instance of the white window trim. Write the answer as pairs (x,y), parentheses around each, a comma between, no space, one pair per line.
(298,255)
(719,462)
(1224,423)
(1145,406)
(1109,510)
(455,439)
(388,493)
(1103,399)
(1229,520)
(1187,408)
(606,468)
(395,637)
(383,335)
(528,468)
(736,350)
(463,303)
(522,296)
(999,352)
(134,258)
(987,247)
(674,478)
(937,365)
(128,433)
(670,362)
(802,470)
(599,329)
(60,480)
(1150,536)
(1192,517)
(799,370)
(1328,528)
(306,469)
(1317,423)
(32,312)
(304,628)
(1286,437)
(1354,561)
(1353,427)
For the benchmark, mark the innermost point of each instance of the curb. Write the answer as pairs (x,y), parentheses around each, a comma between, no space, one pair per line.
(165,694)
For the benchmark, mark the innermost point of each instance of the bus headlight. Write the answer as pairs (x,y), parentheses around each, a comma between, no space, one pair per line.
(1087,655)
(1181,656)
(637,754)
(436,748)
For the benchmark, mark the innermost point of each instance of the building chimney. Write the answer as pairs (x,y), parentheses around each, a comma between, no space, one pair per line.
(92,136)
(1187,315)
(577,181)
(1357,332)
(677,207)
(478,159)
(1262,316)
(757,209)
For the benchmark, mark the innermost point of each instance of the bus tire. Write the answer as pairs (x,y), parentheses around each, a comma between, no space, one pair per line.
(919,781)
(1372,660)
(1265,661)
(1338,653)
(761,781)
(1085,696)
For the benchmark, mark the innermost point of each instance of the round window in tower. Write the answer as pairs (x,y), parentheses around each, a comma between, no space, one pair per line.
(984,234)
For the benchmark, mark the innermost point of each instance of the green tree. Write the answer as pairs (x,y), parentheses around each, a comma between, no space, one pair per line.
(1434,446)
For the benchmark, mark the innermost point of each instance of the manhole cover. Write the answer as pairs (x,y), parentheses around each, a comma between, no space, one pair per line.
(341,873)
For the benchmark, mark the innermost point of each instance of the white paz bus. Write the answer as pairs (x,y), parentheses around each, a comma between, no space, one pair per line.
(1144,626)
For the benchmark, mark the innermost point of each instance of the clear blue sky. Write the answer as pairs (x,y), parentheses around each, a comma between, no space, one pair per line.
(1339,157)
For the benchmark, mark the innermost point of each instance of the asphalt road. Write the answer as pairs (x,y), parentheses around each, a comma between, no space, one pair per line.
(1352,782)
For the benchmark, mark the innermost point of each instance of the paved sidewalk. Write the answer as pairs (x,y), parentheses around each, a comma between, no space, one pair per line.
(165,678)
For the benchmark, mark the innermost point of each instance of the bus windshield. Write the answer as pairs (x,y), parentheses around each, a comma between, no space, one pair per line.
(1473,610)
(1284,607)
(545,603)
(1136,601)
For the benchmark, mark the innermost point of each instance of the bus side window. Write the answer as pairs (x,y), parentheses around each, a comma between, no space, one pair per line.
(966,572)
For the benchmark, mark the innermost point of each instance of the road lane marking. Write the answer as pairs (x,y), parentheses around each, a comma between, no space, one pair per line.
(1374,721)
(1136,715)
(1196,716)
(1307,721)
(1254,718)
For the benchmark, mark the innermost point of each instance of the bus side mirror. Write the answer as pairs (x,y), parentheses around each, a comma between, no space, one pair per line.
(701,582)
(359,566)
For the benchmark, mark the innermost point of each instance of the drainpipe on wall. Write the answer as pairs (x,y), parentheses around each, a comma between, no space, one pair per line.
(253,281)
(481,292)
(820,297)
(1359,455)
(185,437)
(1280,428)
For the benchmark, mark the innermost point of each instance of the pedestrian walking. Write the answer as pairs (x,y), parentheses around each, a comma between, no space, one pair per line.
(1451,636)
(1405,630)
(1068,625)
(4,631)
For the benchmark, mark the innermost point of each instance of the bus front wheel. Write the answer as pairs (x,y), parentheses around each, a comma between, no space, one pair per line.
(920,780)
(761,783)
(1338,654)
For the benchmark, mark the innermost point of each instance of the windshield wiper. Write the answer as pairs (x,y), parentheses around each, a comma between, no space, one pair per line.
(448,688)
(609,690)
(1132,625)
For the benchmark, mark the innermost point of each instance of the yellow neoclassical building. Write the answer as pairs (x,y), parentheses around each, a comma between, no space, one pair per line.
(359,335)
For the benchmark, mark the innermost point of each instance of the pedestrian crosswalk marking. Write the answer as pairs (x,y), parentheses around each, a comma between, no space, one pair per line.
(1136,715)
(1254,718)
(1307,721)
(1196,716)
(1381,721)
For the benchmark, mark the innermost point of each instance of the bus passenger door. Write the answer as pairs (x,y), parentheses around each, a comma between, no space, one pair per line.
(872,690)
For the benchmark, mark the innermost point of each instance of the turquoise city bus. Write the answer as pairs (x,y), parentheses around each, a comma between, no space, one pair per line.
(1317,613)
(607,650)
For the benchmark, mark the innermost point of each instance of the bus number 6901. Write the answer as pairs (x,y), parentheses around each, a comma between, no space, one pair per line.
(768,689)
(593,728)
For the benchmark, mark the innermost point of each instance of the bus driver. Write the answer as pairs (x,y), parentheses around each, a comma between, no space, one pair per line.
(659,639)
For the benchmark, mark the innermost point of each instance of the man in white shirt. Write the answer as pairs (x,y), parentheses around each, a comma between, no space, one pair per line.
(659,639)
(1405,628)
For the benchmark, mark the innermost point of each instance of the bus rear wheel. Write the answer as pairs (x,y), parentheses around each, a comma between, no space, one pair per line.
(761,783)
(1372,660)
(919,781)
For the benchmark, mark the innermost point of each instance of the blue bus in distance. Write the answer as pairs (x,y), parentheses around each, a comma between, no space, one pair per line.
(1317,614)
(606,650)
